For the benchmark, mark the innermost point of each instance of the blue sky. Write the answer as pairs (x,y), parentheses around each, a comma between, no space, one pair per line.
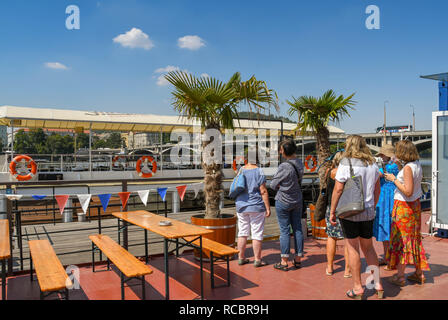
(297,47)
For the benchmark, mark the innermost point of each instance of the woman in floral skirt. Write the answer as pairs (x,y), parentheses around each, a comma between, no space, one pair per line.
(406,240)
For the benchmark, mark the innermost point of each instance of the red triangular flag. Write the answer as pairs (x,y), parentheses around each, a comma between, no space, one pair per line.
(62,201)
(124,196)
(181,191)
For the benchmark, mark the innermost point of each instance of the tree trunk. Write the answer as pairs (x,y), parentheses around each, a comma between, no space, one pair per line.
(212,184)
(323,152)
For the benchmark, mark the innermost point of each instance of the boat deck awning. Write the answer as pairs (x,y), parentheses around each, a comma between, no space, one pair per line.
(45,118)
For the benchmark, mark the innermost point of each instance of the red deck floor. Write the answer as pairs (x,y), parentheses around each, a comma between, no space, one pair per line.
(308,283)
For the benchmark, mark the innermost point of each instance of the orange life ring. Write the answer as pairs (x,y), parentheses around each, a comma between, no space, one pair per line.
(115,159)
(234,162)
(139,169)
(31,165)
(314,160)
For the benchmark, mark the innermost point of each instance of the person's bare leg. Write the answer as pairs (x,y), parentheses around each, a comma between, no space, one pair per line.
(385,247)
(371,258)
(256,246)
(331,251)
(242,242)
(355,263)
(400,271)
(347,271)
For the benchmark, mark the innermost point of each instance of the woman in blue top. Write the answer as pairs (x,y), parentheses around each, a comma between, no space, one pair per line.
(253,208)
(382,223)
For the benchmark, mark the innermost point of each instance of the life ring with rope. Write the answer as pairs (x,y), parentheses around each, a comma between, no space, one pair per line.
(313,160)
(31,165)
(234,167)
(116,158)
(139,166)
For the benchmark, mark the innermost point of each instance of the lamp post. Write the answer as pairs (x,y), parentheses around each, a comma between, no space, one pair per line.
(413,118)
(384,128)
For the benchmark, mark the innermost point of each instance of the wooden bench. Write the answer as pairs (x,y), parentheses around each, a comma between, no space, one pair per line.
(51,275)
(5,252)
(218,251)
(128,265)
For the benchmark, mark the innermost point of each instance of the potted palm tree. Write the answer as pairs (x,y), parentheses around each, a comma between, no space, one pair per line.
(215,104)
(314,115)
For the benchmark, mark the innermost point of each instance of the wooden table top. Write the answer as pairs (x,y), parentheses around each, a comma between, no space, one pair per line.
(5,249)
(150,221)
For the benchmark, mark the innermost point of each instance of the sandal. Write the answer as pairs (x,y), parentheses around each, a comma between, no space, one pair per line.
(415,278)
(382,262)
(349,275)
(280,266)
(243,261)
(259,263)
(380,294)
(352,295)
(296,264)
(328,272)
(387,268)
(394,280)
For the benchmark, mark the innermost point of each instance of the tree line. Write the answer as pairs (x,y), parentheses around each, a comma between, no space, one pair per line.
(38,142)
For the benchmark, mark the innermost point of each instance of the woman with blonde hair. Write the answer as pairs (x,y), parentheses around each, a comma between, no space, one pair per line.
(406,240)
(358,229)
(334,232)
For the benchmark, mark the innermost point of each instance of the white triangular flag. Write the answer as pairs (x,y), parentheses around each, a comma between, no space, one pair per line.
(143,194)
(197,187)
(14,196)
(84,200)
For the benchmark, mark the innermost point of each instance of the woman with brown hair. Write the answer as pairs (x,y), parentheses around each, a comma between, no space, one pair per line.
(334,232)
(358,229)
(406,240)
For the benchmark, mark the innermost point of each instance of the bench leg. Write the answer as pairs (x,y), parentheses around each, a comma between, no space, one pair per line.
(3,280)
(66,294)
(41,295)
(167,273)
(212,273)
(122,285)
(143,288)
(202,273)
(93,257)
(228,271)
(177,248)
(146,246)
(119,238)
(108,264)
(31,268)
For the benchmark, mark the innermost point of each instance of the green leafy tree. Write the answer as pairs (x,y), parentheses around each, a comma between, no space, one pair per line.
(82,140)
(114,141)
(314,114)
(23,143)
(216,104)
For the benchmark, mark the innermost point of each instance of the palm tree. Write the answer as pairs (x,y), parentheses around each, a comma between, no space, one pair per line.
(314,114)
(215,104)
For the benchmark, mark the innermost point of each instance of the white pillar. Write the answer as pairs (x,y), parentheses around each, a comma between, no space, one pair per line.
(175,202)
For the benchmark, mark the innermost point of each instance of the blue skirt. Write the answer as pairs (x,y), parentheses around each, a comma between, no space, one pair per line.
(382,223)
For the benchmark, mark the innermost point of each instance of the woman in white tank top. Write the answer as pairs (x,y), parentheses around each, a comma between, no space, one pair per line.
(405,240)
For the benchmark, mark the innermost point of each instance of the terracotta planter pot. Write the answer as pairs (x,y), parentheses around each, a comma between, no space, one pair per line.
(318,228)
(224,230)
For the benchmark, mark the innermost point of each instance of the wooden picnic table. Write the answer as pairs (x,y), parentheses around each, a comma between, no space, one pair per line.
(5,252)
(173,233)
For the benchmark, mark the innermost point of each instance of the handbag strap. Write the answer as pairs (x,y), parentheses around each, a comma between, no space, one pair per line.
(297,173)
(352,173)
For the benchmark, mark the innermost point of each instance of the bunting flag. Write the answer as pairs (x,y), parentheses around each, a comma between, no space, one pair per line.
(124,196)
(14,196)
(84,200)
(197,187)
(104,198)
(181,191)
(37,197)
(162,193)
(143,194)
(62,201)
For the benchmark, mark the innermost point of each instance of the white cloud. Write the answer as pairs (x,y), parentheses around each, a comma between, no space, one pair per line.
(134,38)
(190,42)
(56,66)
(161,81)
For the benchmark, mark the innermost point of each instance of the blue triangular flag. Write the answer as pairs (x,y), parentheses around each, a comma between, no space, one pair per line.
(36,197)
(104,198)
(162,193)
